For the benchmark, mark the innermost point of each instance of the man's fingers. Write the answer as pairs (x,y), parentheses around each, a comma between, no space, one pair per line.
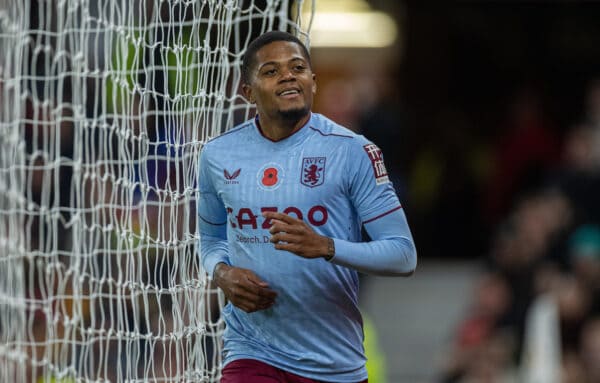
(273,215)
(246,290)
(280,226)
(279,237)
(259,288)
(253,296)
(249,287)
(286,238)
(291,247)
(288,243)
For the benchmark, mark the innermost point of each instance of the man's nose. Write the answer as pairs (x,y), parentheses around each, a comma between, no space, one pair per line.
(287,74)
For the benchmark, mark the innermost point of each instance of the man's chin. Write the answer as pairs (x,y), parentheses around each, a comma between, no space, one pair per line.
(294,114)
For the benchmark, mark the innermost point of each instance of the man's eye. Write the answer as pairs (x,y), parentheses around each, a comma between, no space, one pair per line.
(270,72)
(299,68)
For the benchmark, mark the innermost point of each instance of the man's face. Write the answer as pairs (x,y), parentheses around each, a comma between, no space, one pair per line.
(281,82)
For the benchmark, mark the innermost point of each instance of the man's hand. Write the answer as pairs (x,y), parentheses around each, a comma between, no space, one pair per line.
(296,236)
(243,288)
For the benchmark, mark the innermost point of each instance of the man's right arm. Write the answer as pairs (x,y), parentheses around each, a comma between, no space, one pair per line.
(241,286)
(212,220)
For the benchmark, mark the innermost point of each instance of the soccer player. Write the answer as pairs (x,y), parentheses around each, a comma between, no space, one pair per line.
(282,201)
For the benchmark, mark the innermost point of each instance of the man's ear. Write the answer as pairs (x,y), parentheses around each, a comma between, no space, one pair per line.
(247,90)
(314,87)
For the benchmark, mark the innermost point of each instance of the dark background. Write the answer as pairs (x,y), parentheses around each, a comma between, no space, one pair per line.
(461,71)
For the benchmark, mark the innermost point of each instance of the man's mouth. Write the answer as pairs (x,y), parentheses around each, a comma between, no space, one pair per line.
(289,92)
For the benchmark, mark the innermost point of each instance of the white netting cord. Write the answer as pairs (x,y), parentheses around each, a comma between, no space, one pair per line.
(105,107)
(13,302)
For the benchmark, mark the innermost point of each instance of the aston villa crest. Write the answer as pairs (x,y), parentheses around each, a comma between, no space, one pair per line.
(313,171)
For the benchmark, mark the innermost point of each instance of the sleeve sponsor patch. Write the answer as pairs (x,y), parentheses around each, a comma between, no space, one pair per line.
(379,171)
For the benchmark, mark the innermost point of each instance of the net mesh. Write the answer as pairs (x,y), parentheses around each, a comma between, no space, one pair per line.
(105,107)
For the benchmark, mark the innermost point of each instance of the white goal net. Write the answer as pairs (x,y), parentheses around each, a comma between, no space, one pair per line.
(104,107)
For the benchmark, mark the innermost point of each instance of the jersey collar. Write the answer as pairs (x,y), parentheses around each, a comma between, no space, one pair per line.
(294,138)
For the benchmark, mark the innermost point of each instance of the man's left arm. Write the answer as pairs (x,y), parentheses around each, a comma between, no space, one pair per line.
(391,250)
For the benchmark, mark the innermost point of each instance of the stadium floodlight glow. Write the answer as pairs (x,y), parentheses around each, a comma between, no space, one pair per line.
(350,24)
(369,29)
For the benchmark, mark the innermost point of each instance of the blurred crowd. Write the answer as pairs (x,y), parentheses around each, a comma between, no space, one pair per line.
(544,204)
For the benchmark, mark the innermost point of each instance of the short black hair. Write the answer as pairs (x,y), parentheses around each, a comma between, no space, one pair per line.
(249,59)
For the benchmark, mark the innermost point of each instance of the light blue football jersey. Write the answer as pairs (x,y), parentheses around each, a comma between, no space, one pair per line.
(333,179)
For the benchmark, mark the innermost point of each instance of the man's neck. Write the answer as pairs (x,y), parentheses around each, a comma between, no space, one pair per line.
(278,129)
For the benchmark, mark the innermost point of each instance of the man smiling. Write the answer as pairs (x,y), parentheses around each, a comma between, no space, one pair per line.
(309,186)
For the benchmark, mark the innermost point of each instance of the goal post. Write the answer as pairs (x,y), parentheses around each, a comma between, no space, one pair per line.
(104,108)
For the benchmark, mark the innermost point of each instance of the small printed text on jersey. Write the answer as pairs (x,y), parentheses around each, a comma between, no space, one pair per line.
(374,153)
